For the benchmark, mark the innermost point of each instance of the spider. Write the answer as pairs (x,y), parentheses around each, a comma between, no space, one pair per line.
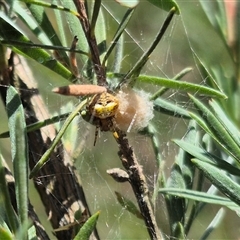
(102,109)
(103,106)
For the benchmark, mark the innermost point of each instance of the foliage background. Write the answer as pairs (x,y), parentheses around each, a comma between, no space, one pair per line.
(191,31)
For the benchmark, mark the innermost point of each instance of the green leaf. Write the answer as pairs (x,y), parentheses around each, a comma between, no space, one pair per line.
(183,159)
(127,3)
(133,73)
(214,224)
(121,27)
(179,232)
(100,29)
(128,205)
(23,232)
(76,30)
(207,157)
(169,108)
(35,126)
(32,235)
(176,205)
(19,150)
(9,33)
(60,19)
(163,90)
(41,18)
(227,82)
(204,126)
(166,5)
(200,197)
(225,121)
(181,177)
(49,5)
(5,234)
(30,22)
(217,129)
(219,178)
(237,38)
(88,227)
(56,140)
(215,12)
(182,86)
(209,77)
(70,139)
(8,211)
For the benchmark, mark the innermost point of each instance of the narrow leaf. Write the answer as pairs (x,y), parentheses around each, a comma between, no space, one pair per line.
(163,90)
(182,86)
(131,76)
(226,122)
(176,205)
(214,224)
(76,30)
(9,32)
(217,129)
(88,227)
(56,140)
(24,15)
(169,108)
(19,150)
(98,28)
(5,234)
(207,157)
(128,205)
(46,25)
(204,126)
(12,220)
(200,197)
(121,27)
(49,5)
(35,126)
(166,5)
(127,3)
(219,178)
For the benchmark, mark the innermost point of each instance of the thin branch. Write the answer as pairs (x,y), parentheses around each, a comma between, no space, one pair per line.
(73,59)
(138,183)
(134,72)
(99,70)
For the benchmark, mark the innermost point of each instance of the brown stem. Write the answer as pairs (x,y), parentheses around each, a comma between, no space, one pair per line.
(73,59)
(139,185)
(83,18)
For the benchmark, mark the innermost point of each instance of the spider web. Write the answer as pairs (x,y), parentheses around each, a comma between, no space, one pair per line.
(174,53)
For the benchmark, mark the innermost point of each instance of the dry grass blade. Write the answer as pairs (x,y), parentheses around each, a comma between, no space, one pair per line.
(79,90)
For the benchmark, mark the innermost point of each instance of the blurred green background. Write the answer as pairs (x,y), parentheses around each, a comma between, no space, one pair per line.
(188,33)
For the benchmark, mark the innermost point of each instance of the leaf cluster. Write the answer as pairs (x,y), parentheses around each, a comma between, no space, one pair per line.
(209,150)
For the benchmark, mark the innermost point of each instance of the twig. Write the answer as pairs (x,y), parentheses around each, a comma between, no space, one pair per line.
(138,183)
(134,72)
(90,37)
(73,59)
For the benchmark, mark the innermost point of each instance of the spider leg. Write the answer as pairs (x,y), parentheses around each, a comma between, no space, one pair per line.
(96,135)
(114,128)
